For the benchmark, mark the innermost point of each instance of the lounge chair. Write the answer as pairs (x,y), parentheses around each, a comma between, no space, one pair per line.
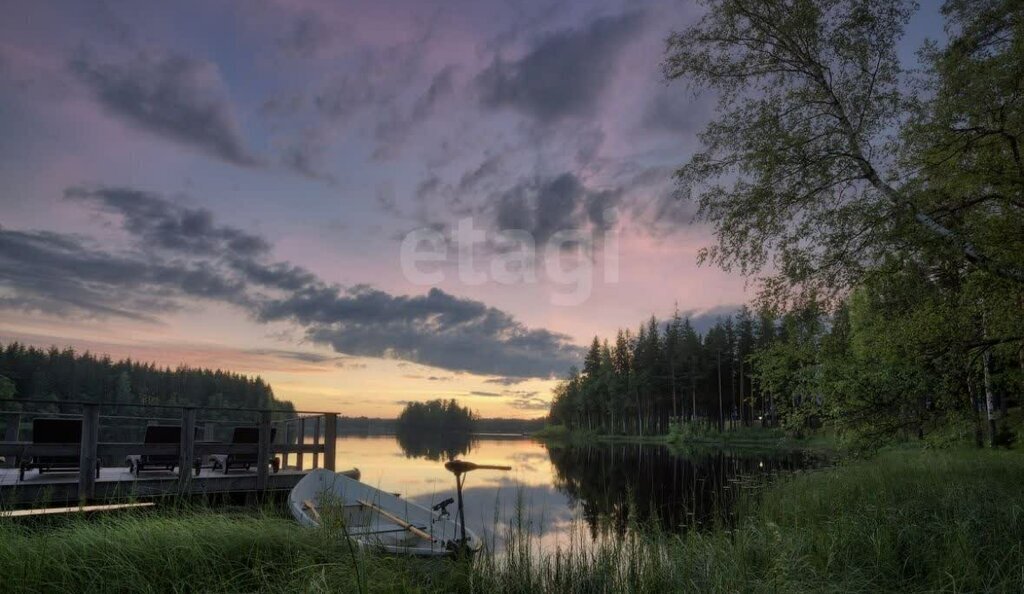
(159,434)
(62,431)
(248,435)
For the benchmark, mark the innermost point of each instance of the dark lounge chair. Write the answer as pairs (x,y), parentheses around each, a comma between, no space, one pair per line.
(50,431)
(248,435)
(159,434)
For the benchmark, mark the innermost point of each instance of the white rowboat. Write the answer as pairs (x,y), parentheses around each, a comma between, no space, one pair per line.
(373,518)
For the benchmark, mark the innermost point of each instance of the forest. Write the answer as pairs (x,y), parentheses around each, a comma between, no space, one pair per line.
(666,371)
(58,376)
(876,208)
(437,417)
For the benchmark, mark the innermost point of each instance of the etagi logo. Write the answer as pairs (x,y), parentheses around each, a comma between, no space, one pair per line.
(509,257)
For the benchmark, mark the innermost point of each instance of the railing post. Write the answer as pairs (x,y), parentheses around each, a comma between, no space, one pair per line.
(263,456)
(289,433)
(13,424)
(87,457)
(330,440)
(186,452)
(302,440)
(316,442)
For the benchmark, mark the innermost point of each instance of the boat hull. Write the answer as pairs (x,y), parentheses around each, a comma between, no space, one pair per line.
(374,519)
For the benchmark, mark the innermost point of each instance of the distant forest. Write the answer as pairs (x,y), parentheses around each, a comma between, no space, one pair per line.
(438,416)
(58,376)
(382,426)
(636,384)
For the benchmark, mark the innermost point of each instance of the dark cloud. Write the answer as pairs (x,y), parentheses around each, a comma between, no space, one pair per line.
(277,275)
(530,403)
(486,394)
(162,223)
(180,254)
(441,86)
(471,180)
(376,78)
(436,329)
(429,378)
(394,127)
(308,35)
(505,381)
(428,187)
(564,74)
(546,206)
(174,96)
(704,320)
(305,155)
(303,356)
(60,274)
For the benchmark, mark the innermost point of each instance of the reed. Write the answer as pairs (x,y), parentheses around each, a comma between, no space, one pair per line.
(907,521)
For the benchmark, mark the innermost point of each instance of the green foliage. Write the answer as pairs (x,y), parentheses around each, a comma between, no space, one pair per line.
(825,159)
(62,375)
(887,204)
(439,416)
(7,388)
(665,372)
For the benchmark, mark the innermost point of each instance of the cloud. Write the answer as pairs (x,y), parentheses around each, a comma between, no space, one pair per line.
(429,378)
(704,320)
(471,180)
(60,274)
(173,96)
(305,155)
(530,403)
(437,329)
(161,223)
(302,356)
(306,37)
(486,394)
(179,254)
(505,381)
(564,74)
(394,127)
(544,206)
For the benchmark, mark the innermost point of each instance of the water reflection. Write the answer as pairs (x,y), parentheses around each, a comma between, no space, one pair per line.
(602,489)
(439,447)
(616,484)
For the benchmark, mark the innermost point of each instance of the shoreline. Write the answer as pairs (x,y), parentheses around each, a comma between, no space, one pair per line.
(908,519)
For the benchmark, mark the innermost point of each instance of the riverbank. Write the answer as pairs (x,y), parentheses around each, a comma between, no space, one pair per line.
(907,520)
(685,438)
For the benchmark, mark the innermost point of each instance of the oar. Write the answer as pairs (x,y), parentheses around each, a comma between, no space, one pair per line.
(397,520)
(462,466)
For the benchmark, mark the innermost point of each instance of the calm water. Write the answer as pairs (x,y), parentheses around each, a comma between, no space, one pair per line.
(563,490)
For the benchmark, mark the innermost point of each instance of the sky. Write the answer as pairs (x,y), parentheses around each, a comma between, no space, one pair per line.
(365,203)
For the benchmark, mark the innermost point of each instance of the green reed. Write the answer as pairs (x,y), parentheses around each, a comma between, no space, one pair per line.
(904,521)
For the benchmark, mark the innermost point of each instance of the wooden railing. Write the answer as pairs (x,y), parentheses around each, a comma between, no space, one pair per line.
(291,433)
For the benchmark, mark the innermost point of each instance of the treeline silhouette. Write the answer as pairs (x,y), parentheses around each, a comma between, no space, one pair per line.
(664,371)
(59,376)
(382,426)
(438,416)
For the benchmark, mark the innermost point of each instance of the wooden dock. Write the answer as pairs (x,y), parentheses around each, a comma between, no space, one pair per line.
(298,442)
(117,484)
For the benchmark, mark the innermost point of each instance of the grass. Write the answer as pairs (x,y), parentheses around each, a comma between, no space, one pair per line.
(905,521)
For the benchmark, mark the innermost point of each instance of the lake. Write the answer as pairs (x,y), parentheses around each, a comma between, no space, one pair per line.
(565,492)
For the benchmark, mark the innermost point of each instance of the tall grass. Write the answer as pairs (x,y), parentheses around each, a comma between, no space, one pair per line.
(906,521)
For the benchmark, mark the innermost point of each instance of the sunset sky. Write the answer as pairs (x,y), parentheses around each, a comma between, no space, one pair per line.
(229,184)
